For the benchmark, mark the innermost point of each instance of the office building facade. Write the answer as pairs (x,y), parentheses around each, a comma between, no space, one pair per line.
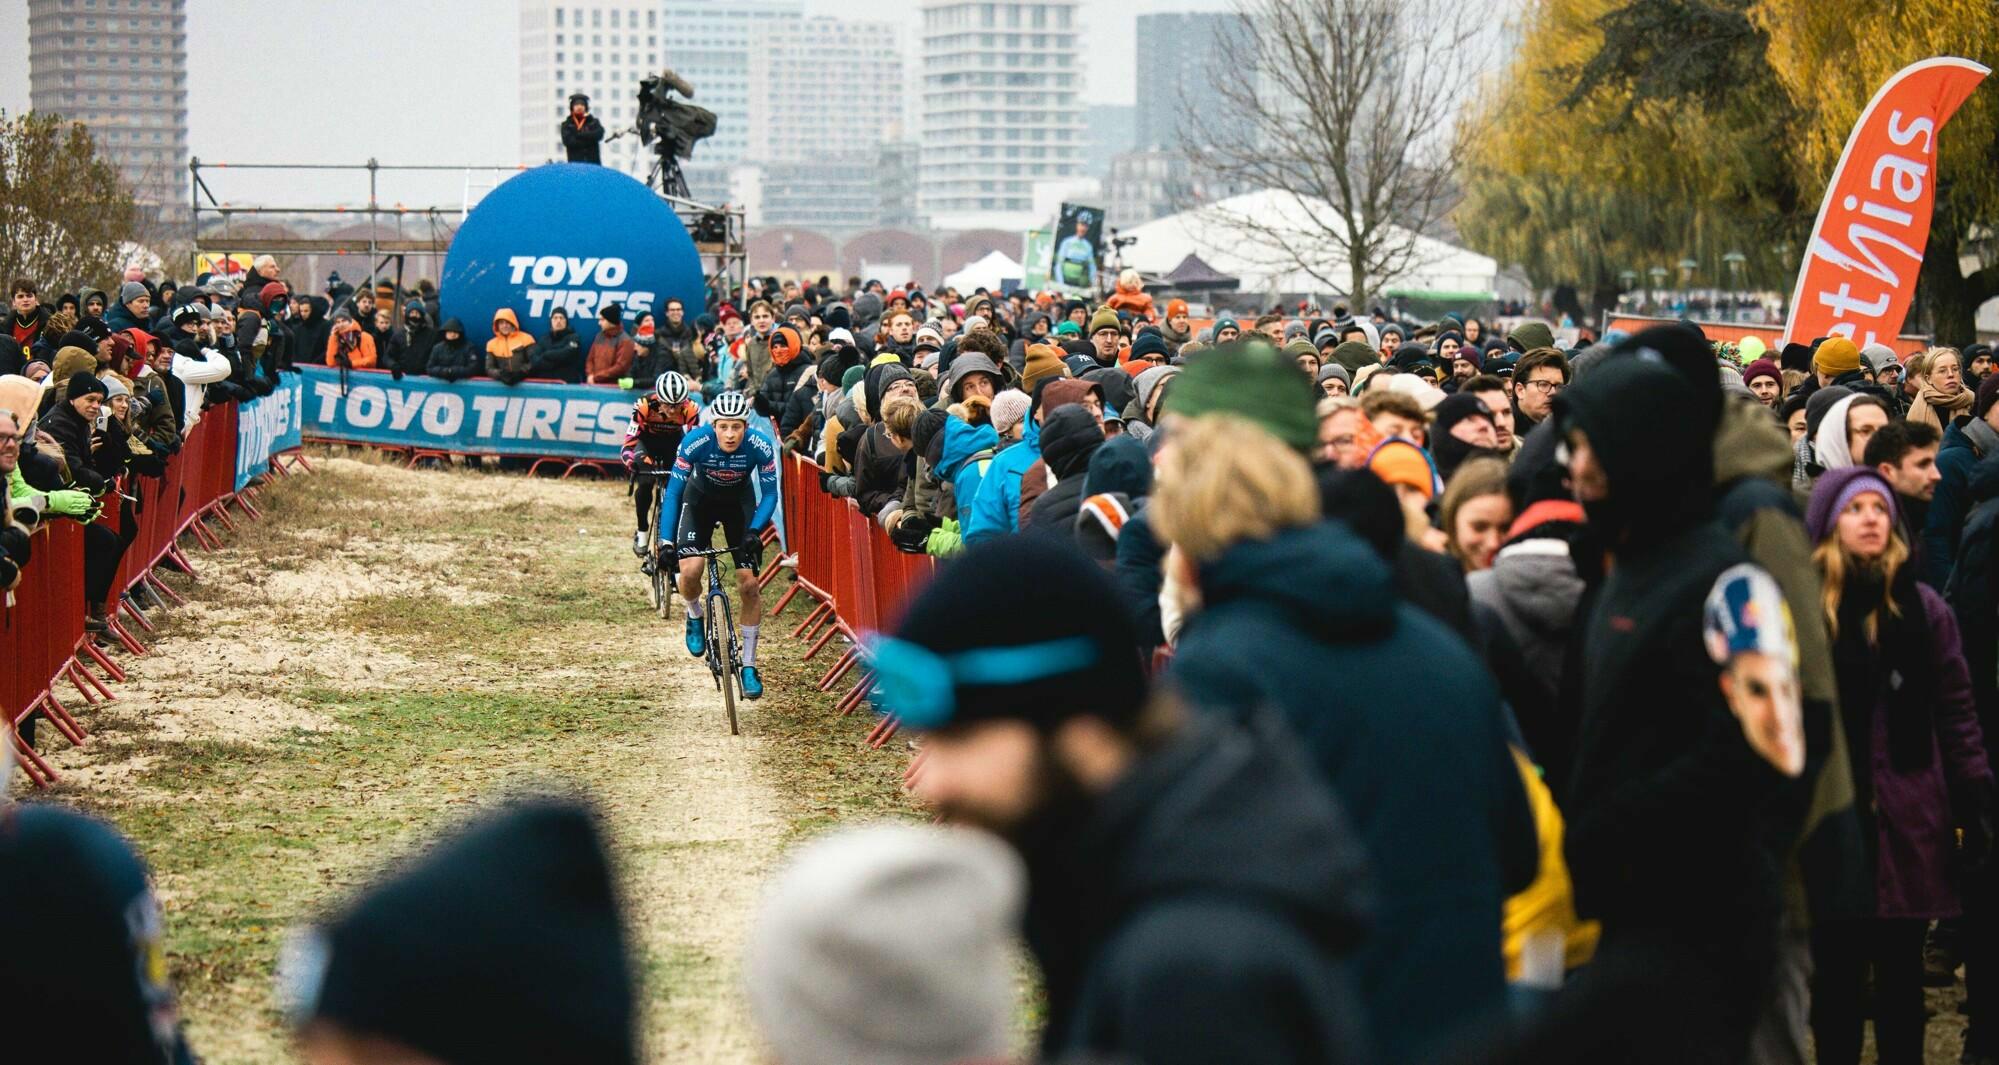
(120,68)
(1002,104)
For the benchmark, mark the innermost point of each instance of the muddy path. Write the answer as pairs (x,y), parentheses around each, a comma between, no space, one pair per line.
(390,650)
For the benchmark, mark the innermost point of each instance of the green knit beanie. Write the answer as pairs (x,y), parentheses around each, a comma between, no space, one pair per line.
(1105,318)
(853,374)
(1252,381)
(1355,355)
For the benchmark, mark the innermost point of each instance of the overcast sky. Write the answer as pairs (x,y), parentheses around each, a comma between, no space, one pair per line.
(417,82)
(429,82)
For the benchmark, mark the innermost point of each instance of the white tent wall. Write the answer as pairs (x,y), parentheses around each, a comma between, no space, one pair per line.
(986,273)
(1265,267)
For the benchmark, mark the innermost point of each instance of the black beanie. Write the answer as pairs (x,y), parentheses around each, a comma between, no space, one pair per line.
(1031,590)
(612,313)
(503,945)
(83,938)
(84,384)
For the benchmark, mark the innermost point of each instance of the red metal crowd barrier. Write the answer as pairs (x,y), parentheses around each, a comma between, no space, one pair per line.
(43,641)
(858,581)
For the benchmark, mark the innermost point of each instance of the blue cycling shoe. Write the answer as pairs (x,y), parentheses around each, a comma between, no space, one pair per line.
(697,643)
(753,685)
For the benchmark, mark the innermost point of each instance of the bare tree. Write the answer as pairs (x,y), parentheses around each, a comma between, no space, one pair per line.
(1349,110)
(64,214)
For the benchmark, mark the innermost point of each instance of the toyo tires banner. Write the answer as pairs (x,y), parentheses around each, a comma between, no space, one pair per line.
(573,236)
(266,426)
(1860,268)
(475,417)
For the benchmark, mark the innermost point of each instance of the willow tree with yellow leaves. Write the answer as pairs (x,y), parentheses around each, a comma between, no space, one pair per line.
(1633,134)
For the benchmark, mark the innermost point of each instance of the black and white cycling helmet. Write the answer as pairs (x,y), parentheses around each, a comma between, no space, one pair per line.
(670,388)
(729,405)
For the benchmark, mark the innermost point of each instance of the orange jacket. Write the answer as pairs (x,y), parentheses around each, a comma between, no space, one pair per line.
(1131,297)
(362,357)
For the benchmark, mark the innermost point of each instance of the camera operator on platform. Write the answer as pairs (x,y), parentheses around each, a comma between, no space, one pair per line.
(582,134)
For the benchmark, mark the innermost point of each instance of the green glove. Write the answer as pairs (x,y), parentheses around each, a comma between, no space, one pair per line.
(944,540)
(625,383)
(71,502)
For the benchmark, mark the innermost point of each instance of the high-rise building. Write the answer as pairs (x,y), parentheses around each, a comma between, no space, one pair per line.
(1180,56)
(823,88)
(1002,108)
(604,47)
(1113,131)
(120,68)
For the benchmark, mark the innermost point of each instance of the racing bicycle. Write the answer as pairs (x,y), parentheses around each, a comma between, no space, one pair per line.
(725,646)
(659,564)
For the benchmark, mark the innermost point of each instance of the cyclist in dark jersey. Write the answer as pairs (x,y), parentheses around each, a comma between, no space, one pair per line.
(659,421)
(712,485)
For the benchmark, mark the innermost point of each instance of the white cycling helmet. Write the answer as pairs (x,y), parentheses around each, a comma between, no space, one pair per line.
(670,388)
(729,405)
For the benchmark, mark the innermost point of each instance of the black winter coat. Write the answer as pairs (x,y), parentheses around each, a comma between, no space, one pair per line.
(70,430)
(779,384)
(455,362)
(584,144)
(1197,912)
(559,356)
(880,470)
(1068,438)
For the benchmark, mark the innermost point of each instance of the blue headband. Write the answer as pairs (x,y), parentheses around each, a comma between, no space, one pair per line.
(920,686)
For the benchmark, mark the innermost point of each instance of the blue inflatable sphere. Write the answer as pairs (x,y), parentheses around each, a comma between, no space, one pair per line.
(571,236)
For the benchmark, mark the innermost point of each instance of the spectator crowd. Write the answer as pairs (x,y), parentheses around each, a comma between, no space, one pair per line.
(1298,687)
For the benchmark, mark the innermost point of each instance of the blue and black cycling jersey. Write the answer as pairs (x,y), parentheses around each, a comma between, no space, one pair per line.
(702,461)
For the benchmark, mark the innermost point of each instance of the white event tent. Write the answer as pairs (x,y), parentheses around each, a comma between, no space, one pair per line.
(1263,266)
(987,273)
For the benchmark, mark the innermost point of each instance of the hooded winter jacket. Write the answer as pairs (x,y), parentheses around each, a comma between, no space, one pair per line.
(509,357)
(996,510)
(309,334)
(453,360)
(417,341)
(1068,438)
(1413,701)
(1198,912)
(968,453)
(359,354)
(1827,879)
(1677,836)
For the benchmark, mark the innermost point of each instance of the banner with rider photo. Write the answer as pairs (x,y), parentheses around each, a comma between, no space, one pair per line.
(1079,241)
(269,425)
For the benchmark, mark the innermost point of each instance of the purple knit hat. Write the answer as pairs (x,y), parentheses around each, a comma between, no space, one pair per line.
(1762,368)
(1836,490)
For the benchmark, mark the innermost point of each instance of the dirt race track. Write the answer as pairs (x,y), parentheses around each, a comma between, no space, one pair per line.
(387,651)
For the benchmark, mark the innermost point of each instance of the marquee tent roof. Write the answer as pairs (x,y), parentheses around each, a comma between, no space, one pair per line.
(988,273)
(1265,266)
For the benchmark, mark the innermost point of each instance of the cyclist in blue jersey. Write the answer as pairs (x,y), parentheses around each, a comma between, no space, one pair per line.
(711,485)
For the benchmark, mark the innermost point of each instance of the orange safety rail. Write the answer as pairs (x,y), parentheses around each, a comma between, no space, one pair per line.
(859,582)
(42,635)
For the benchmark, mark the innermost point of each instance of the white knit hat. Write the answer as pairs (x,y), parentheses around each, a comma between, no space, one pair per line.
(888,944)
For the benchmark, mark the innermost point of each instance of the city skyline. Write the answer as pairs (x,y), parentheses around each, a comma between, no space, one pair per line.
(250,101)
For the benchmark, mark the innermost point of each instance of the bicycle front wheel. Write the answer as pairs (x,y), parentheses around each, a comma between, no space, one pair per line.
(723,639)
(662,588)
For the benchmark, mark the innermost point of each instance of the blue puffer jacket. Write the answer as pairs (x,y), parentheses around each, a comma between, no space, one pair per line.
(996,508)
(1380,694)
(962,441)
(1945,524)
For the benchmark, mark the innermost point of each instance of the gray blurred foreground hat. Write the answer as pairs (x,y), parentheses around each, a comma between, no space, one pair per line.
(888,944)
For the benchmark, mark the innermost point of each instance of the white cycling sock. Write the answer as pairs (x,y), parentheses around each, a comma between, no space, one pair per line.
(749,645)
(693,606)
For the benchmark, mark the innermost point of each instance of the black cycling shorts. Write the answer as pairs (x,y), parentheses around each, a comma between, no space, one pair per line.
(701,511)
